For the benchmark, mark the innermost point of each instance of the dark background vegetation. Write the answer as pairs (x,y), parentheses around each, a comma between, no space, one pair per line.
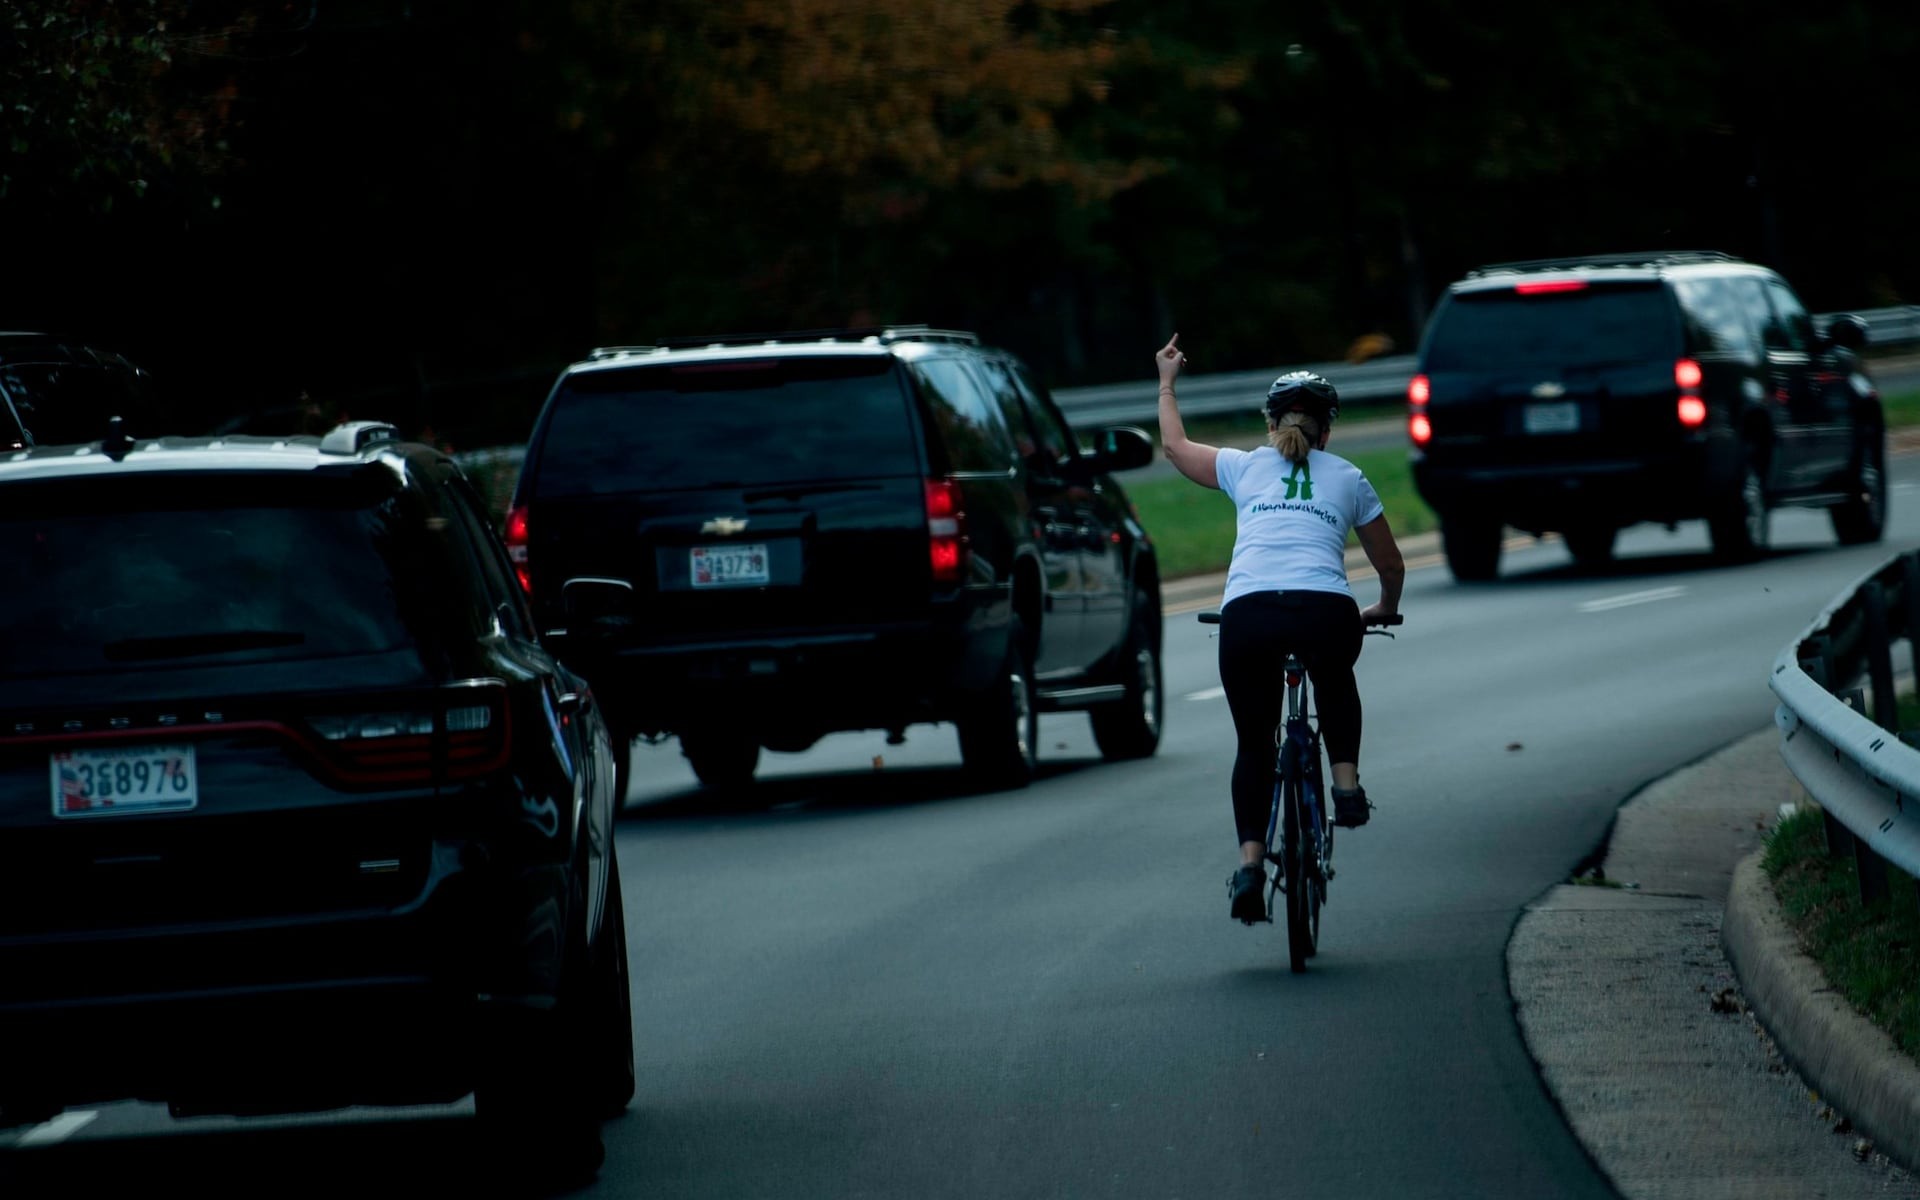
(420,209)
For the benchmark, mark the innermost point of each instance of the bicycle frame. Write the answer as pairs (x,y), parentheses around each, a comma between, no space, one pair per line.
(1297,765)
(1296,731)
(1299,836)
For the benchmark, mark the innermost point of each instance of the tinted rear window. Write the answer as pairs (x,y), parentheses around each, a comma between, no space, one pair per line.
(1596,326)
(187,578)
(733,424)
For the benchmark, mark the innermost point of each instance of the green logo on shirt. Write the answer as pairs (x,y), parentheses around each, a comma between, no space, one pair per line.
(1300,483)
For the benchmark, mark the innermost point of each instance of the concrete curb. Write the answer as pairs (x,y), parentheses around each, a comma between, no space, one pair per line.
(1852,1062)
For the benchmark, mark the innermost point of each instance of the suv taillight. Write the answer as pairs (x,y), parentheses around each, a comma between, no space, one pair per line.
(516,541)
(1692,410)
(462,731)
(947,550)
(1419,428)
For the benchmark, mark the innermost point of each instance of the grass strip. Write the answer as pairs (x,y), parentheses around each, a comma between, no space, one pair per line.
(1193,526)
(1870,953)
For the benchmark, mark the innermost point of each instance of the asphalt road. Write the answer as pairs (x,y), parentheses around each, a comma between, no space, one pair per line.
(870,983)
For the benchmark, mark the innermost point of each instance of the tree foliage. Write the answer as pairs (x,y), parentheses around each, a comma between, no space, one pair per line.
(408,183)
(98,104)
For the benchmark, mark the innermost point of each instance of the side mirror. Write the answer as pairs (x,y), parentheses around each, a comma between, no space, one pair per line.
(1121,448)
(1847,331)
(598,607)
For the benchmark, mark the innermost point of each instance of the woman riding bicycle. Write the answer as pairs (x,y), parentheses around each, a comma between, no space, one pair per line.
(1287,593)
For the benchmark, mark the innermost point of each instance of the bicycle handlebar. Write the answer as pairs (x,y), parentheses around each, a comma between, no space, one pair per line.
(1212,617)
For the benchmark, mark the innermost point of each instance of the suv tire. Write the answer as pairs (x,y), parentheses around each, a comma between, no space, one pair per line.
(722,761)
(1863,518)
(1000,737)
(1741,520)
(550,1077)
(608,1045)
(1130,728)
(1472,545)
(1590,545)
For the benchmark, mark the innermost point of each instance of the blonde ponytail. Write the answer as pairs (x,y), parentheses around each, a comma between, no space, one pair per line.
(1294,435)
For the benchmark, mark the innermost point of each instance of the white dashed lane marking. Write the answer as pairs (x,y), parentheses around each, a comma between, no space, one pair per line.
(1207,694)
(1651,596)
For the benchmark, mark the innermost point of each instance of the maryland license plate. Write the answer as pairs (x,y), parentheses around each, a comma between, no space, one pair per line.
(124,781)
(1561,417)
(730,566)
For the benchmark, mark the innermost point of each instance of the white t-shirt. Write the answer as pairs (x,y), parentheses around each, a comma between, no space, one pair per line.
(1293,519)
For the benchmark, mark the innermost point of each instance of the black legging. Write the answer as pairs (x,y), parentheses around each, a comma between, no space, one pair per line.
(1257,631)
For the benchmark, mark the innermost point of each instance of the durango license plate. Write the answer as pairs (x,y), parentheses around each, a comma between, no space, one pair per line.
(124,781)
(730,566)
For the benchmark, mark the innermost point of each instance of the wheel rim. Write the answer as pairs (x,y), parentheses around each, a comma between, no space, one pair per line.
(1754,500)
(1874,484)
(1144,663)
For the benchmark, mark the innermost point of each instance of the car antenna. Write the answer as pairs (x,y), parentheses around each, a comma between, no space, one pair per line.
(116,444)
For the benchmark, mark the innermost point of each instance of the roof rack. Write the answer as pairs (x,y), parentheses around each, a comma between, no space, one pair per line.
(1655,258)
(355,436)
(882,334)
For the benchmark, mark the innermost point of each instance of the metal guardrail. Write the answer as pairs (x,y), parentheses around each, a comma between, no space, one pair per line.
(1381,379)
(1857,766)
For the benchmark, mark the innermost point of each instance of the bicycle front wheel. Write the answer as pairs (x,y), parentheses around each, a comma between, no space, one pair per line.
(1303,896)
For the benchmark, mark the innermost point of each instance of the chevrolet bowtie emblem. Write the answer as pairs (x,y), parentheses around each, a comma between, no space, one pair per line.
(1549,391)
(725,526)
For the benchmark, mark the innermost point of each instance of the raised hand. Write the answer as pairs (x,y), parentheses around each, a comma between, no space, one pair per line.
(1170,360)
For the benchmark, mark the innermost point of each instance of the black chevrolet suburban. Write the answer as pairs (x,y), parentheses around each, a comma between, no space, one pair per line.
(754,542)
(1580,396)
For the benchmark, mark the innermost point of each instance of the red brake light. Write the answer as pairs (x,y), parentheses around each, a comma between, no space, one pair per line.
(1550,286)
(1693,412)
(946,531)
(1419,390)
(1420,429)
(462,732)
(516,541)
(1687,373)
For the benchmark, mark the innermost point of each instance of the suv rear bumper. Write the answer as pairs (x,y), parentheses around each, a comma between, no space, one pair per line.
(1677,484)
(807,683)
(387,1006)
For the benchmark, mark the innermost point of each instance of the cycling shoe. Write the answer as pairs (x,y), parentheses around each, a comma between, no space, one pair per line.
(1351,809)
(1248,887)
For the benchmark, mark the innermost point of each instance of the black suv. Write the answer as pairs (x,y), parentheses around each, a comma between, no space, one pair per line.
(295,809)
(1583,395)
(753,542)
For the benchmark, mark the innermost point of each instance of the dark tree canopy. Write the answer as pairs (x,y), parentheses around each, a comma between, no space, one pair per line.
(420,208)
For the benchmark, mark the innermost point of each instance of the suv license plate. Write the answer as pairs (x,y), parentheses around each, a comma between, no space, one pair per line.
(730,566)
(1563,417)
(124,781)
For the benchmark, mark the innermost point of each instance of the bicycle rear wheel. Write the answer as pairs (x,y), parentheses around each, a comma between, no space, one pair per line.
(1303,896)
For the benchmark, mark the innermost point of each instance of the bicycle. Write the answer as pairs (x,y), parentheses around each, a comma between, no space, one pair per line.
(1305,861)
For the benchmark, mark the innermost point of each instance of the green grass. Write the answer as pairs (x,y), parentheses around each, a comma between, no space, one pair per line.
(1869,953)
(1902,409)
(1193,527)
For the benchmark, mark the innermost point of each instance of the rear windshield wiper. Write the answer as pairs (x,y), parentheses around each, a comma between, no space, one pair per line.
(188,645)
